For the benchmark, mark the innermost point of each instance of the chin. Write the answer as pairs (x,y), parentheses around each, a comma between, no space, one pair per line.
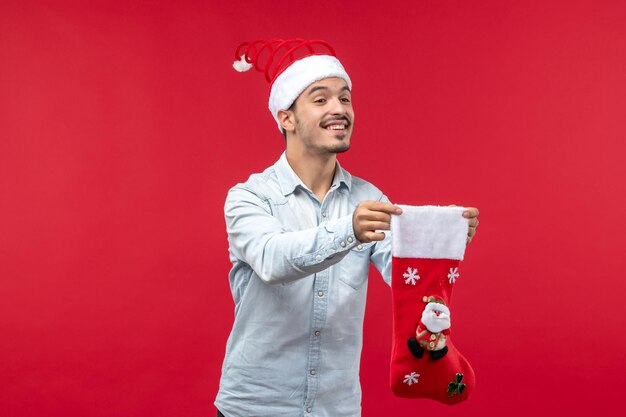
(343,141)
(340,149)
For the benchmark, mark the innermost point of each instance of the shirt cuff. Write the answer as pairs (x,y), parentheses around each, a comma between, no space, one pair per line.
(340,238)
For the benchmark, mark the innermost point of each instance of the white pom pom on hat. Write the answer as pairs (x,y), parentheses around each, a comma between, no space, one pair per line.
(242,65)
(290,66)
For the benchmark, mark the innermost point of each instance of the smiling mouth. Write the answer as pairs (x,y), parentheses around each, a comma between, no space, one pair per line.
(337,125)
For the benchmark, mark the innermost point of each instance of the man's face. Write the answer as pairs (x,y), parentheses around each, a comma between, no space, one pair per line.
(324,116)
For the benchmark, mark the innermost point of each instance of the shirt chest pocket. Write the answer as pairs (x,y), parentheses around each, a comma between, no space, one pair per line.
(353,269)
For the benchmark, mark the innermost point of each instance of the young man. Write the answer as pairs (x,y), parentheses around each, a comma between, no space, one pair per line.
(301,236)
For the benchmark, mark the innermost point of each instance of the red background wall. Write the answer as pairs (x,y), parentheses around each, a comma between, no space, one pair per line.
(122,125)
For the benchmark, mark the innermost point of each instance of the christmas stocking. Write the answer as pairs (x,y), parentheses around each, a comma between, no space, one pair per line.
(428,242)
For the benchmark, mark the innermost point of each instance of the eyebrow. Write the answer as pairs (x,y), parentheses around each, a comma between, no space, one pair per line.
(321,87)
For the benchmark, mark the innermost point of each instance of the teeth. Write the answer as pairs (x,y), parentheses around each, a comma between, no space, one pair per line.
(336,127)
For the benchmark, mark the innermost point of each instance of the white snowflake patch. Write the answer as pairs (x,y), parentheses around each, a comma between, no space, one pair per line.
(453,275)
(411,276)
(412,378)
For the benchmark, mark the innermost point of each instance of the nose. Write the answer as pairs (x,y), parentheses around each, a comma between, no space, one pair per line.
(337,107)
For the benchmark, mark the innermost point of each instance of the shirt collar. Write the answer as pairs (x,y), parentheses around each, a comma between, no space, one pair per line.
(289,180)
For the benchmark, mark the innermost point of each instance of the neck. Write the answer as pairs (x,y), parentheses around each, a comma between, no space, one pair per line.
(315,171)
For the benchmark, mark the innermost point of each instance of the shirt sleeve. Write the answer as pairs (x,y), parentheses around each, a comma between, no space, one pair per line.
(274,254)
(381,252)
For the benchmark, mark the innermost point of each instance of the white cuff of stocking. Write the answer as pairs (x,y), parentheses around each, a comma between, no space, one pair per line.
(429,232)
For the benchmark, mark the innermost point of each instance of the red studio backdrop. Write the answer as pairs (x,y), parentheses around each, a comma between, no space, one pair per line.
(123,125)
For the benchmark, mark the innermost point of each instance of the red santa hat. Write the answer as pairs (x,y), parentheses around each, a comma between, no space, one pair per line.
(290,66)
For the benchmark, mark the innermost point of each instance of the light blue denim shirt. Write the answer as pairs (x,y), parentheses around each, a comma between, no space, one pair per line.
(299,281)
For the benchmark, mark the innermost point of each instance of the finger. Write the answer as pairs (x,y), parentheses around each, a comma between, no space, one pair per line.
(378,216)
(383,207)
(376,226)
(471,232)
(470,212)
(373,236)
(473,222)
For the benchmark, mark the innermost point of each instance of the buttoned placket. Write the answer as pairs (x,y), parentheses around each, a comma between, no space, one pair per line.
(320,307)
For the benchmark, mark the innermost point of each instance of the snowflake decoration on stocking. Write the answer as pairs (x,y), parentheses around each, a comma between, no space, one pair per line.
(453,275)
(412,378)
(411,276)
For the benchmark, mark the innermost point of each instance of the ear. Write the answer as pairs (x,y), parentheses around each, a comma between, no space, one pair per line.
(287,120)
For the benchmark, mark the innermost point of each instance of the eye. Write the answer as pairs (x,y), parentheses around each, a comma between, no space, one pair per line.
(320,100)
(345,100)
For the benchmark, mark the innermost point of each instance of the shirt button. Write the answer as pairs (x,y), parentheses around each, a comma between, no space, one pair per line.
(309,409)
(320,293)
(317,333)
(342,244)
(350,239)
(318,258)
(359,247)
(324,214)
(313,372)
(433,337)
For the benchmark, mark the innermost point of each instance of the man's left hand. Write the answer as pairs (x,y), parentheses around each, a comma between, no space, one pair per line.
(471,213)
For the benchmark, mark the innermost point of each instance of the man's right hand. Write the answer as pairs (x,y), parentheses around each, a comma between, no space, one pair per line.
(370,216)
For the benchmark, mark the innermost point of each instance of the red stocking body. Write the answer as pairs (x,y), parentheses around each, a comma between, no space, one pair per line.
(424,361)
